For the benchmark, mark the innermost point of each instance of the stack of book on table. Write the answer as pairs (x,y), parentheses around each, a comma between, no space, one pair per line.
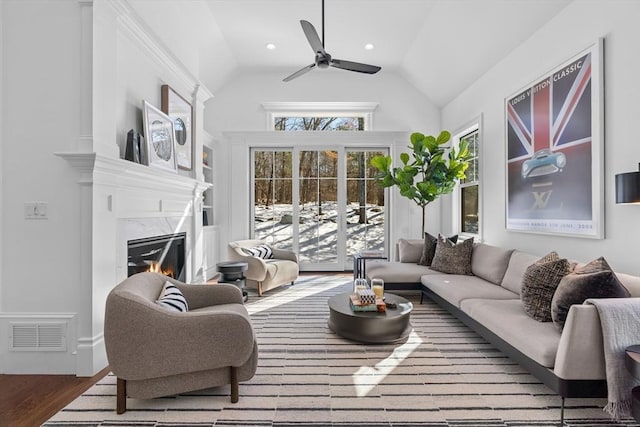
(366,300)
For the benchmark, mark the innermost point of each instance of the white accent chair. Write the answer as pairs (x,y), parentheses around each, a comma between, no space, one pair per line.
(265,274)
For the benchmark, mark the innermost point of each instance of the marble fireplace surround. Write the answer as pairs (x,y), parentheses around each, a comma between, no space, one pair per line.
(120,201)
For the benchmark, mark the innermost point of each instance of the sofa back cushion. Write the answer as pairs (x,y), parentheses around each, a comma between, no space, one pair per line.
(632,283)
(410,250)
(518,264)
(490,262)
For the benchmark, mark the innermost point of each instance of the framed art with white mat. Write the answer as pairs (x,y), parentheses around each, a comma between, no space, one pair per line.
(181,112)
(554,146)
(160,138)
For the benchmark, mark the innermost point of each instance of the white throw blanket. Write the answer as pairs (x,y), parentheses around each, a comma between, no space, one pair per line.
(620,320)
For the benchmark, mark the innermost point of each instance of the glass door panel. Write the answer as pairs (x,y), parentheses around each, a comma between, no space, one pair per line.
(273,198)
(318,207)
(365,216)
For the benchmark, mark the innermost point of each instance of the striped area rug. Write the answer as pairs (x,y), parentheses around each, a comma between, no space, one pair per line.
(443,375)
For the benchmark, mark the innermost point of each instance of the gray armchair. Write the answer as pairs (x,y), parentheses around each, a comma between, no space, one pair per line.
(156,352)
(265,274)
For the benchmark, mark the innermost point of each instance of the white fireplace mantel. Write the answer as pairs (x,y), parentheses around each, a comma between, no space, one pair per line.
(119,201)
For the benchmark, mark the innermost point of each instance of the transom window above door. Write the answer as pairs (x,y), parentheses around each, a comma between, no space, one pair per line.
(319,116)
(289,123)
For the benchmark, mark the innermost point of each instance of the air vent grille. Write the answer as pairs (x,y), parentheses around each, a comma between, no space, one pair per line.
(38,336)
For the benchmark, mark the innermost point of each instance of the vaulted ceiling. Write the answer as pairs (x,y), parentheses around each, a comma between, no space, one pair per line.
(439,46)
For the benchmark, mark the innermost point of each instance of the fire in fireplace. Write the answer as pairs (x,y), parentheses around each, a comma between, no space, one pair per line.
(161,254)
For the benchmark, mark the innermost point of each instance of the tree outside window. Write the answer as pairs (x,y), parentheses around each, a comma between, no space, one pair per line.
(469,203)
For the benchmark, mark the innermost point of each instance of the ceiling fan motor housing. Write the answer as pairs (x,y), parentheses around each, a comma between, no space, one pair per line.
(323,60)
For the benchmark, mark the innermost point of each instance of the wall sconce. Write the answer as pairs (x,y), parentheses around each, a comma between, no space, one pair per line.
(628,187)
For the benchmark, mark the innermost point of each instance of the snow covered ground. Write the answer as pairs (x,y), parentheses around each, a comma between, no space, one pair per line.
(319,230)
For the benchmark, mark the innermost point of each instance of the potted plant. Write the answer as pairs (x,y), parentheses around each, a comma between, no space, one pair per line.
(429,171)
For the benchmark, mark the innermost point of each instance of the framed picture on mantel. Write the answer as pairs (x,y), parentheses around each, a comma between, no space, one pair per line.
(159,136)
(181,112)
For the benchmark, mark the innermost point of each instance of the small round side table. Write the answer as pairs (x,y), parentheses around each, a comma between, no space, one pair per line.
(233,272)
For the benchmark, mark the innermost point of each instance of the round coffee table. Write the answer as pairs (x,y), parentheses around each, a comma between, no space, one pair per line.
(370,326)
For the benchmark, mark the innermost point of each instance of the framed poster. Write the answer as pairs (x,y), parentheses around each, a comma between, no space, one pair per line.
(159,136)
(180,110)
(554,150)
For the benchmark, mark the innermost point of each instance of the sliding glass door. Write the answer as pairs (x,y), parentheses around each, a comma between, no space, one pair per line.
(322,203)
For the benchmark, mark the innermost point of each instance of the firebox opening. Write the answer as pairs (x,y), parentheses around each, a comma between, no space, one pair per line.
(161,254)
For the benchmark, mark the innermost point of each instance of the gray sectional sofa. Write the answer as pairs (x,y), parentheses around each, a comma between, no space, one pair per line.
(570,362)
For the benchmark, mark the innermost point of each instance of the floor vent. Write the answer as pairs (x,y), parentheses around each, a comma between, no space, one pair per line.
(39,336)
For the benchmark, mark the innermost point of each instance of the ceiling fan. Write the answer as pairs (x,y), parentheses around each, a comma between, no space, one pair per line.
(323,59)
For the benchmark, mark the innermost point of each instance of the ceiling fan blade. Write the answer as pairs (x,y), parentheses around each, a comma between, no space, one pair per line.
(312,36)
(355,66)
(299,72)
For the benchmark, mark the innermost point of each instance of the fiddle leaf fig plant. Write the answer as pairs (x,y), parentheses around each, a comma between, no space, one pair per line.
(428,171)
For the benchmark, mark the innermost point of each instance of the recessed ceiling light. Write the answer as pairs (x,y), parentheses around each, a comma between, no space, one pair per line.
(271,46)
(368,46)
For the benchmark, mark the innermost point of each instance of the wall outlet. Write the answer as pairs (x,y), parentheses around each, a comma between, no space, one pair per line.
(35,210)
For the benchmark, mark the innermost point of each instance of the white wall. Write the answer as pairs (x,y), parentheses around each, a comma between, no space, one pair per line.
(67,75)
(190,32)
(402,107)
(39,257)
(2,157)
(577,26)
(238,107)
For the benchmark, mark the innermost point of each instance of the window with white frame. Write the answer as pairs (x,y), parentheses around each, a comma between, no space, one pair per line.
(325,116)
(468,214)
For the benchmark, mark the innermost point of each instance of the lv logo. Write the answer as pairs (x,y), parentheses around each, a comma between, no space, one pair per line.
(541,199)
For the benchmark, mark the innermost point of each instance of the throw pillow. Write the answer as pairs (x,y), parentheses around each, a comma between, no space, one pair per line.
(451,258)
(593,280)
(409,251)
(260,251)
(429,248)
(539,283)
(172,299)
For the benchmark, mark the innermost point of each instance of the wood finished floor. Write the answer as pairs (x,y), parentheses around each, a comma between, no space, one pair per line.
(30,400)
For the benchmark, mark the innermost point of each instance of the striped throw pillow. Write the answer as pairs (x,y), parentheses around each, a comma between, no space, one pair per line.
(261,251)
(172,299)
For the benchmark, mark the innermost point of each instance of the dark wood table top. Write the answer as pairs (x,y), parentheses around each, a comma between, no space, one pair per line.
(632,361)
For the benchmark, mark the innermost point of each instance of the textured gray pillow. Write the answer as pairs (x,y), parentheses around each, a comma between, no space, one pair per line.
(539,283)
(409,250)
(451,258)
(593,280)
(429,248)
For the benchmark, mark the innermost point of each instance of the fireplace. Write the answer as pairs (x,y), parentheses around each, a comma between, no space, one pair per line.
(162,254)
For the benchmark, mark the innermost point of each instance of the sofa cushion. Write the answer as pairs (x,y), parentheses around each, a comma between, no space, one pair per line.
(593,280)
(172,299)
(397,272)
(456,288)
(518,264)
(507,319)
(539,284)
(632,283)
(451,258)
(490,262)
(282,269)
(409,250)
(429,248)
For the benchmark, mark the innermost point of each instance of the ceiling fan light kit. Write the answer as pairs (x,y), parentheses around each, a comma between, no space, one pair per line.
(323,59)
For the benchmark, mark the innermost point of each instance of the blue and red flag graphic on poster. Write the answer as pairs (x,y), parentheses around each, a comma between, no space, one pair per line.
(549,138)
